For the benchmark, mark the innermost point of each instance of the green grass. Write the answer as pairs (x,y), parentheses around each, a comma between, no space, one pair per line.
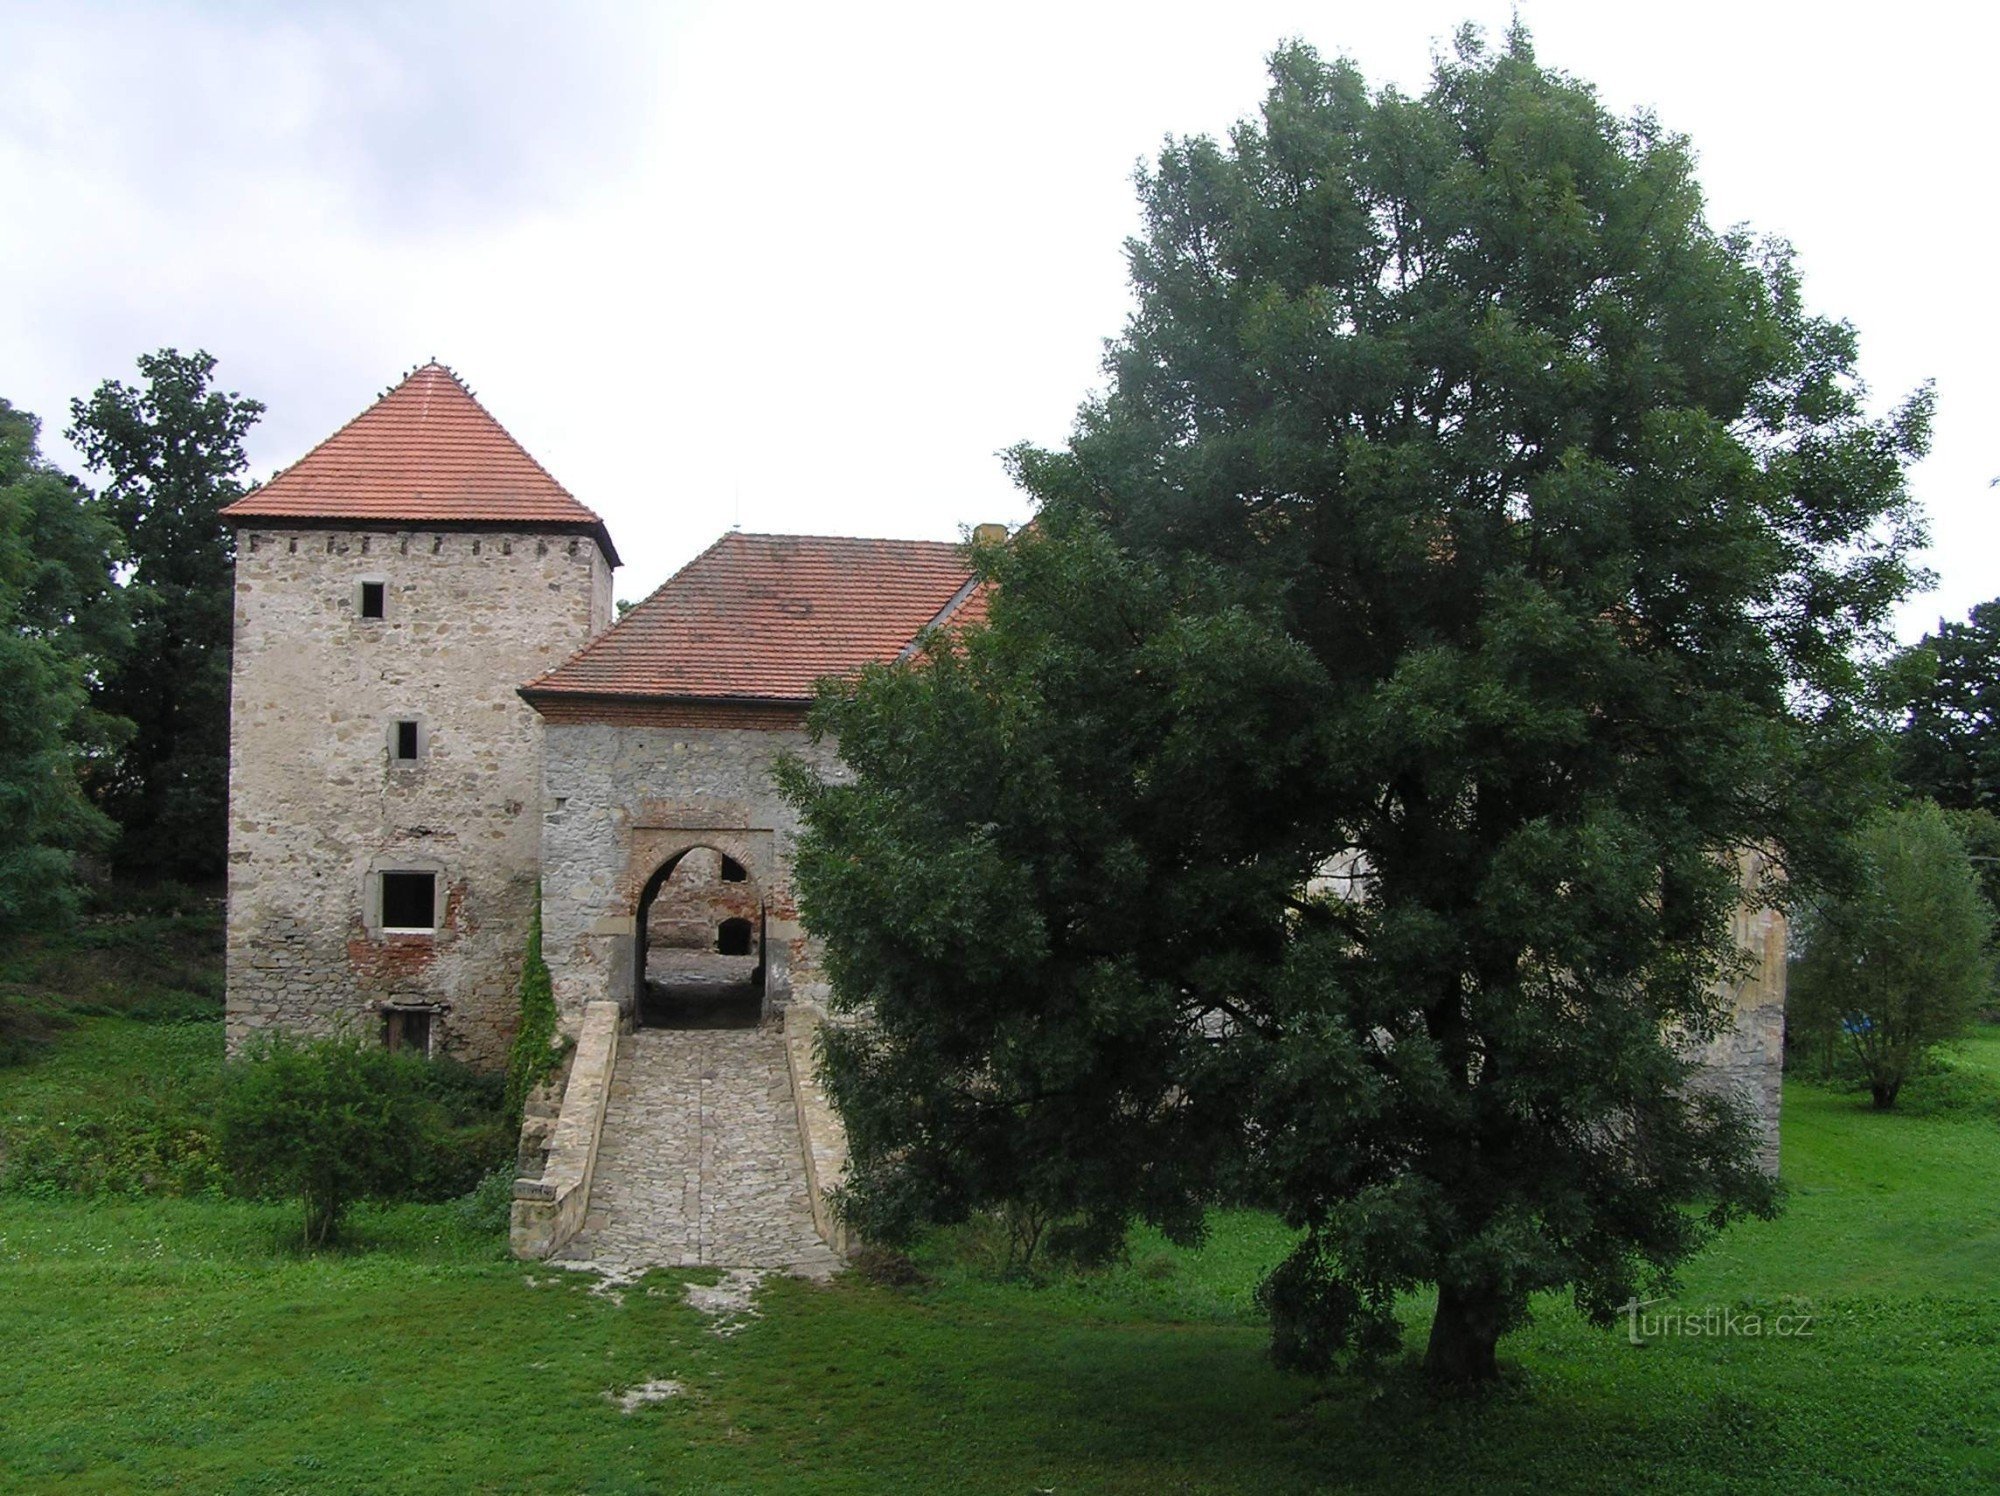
(187,1344)
(100,1062)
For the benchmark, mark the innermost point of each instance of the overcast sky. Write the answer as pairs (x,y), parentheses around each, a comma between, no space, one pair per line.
(809,267)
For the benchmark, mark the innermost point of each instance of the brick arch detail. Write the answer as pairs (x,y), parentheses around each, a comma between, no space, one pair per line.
(654,847)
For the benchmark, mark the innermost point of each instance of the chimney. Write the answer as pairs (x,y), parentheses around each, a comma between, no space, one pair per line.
(988,534)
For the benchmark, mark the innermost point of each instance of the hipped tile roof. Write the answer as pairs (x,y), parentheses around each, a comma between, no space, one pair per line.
(765,617)
(427,452)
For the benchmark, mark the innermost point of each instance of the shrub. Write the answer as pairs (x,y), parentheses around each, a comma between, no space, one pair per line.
(1902,964)
(329,1121)
(1951,1091)
(488,1206)
(1979,830)
(885,1267)
(535,1054)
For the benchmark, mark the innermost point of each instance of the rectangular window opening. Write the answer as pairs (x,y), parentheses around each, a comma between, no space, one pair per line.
(406,740)
(407,1029)
(409,901)
(372,599)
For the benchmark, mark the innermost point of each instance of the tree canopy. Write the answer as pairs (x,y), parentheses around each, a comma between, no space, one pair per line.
(1471,552)
(62,624)
(1902,961)
(170,450)
(1949,748)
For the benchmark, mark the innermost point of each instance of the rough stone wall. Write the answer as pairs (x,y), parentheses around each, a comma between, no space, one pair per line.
(318,805)
(695,900)
(1747,1060)
(620,799)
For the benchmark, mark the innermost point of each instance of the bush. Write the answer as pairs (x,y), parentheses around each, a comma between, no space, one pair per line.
(163,1134)
(489,1206)
(535,1054)
(466,1134)
(1949,1091)
(1979,830)
(331,1122)
(1902,964)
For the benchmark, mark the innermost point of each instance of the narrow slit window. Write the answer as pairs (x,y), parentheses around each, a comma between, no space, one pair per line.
(406,741)
(372,598)
(409,901)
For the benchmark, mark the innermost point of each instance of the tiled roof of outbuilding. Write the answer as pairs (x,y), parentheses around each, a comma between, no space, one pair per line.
(425,453)
(764,617)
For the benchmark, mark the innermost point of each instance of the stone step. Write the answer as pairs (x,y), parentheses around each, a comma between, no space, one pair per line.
(699,1162)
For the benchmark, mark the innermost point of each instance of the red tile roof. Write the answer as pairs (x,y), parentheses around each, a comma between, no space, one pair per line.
(764,617)
(974,611)
(425,453)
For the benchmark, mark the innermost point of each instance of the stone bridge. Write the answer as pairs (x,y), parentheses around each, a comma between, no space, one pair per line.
(687,1148)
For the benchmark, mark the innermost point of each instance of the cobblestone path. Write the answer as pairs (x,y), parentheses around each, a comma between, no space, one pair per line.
(699,1162)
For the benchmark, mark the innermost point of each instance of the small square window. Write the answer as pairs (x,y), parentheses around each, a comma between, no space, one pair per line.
(372,599)
(406,741)
(409,901)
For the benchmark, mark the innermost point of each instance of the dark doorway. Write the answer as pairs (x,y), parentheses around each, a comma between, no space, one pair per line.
(407,1030)
(733,937)
(700,938)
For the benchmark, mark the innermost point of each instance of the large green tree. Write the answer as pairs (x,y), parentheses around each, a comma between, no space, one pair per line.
(1473,550)
(1949,745)
(61,625)
(170,450)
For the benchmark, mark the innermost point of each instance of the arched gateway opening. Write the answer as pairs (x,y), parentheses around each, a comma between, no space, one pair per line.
(700,940)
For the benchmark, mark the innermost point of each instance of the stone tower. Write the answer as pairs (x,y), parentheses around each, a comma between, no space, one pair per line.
(393,589)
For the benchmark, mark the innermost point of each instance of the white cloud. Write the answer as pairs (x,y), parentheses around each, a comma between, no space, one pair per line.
(811,266)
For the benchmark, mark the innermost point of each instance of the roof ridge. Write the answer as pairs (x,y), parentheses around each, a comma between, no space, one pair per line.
(858,539)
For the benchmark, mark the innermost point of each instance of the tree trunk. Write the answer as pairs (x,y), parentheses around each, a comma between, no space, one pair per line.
(1884,1092)
(1464,1335)
(322,1218)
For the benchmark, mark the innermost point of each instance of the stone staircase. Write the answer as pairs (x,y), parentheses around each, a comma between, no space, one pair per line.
(699,1161)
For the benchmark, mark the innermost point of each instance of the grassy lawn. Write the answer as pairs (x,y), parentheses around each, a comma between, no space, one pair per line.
(157,1343)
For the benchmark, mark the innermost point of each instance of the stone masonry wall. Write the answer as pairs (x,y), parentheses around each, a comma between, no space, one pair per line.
(319,807)
(691,905)
(620,799)
(1747,1059)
